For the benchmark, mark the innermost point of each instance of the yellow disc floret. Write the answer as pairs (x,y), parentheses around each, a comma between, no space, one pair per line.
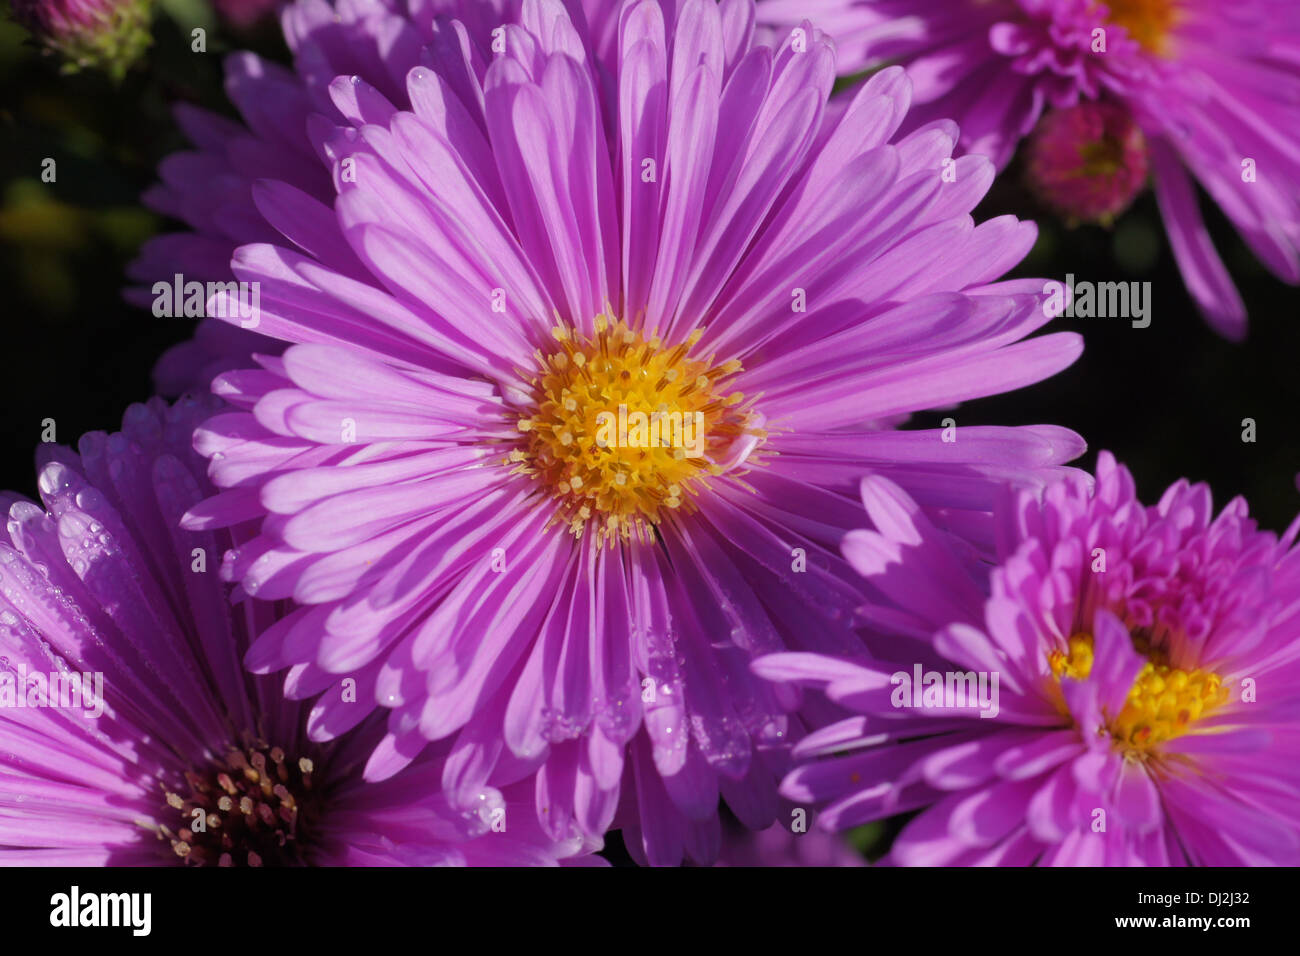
(626,429)
(1146,21)
(1077,663)
(1163,703)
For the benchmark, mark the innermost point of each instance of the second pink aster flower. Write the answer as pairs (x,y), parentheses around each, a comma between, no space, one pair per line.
(1213,87)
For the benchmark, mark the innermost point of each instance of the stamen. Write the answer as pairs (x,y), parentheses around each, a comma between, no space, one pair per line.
(1163,703)
(622,425)
(253,809)
(1146,21)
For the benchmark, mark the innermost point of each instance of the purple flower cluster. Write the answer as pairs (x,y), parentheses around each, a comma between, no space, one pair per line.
(526,505)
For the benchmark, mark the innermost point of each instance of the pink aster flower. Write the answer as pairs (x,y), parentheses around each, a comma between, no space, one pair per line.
(111,34)
(1213,87)
(1120,689)
(131,734)
(525,253)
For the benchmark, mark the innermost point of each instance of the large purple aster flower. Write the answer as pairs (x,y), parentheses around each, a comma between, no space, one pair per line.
(132,735)
(1121,689)
(1214,88)
(526,252)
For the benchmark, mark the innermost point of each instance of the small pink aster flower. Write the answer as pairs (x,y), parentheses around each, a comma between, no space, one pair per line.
(1214,88)
(1120,689)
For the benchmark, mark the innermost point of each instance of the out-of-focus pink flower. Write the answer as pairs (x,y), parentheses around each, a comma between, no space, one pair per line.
(1088,163)
(245,13)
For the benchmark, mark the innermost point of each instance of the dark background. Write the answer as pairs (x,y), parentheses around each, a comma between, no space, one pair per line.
(75,351)
(1168,400)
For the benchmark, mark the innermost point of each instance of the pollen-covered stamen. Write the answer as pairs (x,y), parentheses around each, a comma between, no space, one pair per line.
(1076,661)
(1163,703)
(1146,21)
(627,429)
(254,808)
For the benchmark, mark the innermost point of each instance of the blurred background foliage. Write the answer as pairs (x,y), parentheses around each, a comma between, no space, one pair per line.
(1169,399)
(77,352)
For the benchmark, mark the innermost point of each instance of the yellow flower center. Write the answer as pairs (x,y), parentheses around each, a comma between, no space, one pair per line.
(626,429)
(1146,21)
(1076,663)
(1163,703)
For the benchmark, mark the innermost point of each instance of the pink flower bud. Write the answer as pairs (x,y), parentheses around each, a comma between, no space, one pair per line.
(1088,162)
(108,34)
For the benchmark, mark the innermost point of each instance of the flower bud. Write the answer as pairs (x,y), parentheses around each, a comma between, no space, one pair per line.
(1088,162)
(107,34)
